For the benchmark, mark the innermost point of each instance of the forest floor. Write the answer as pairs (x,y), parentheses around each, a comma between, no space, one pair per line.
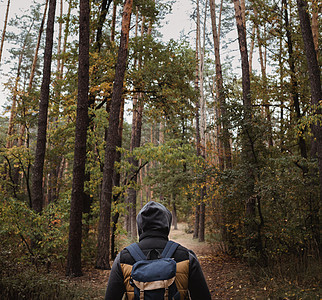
(227,277)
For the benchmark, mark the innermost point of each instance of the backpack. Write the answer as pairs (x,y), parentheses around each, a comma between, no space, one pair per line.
(154,279)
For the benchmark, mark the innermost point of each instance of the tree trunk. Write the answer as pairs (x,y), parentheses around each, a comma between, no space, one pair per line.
(113,248)
(316,96)
(66,32)
(104,9)
(248,152)
(14,98)
(75,228)
(197,222)
(202,118)
(117,180)
(4,29)
(174,214)
(52,181)
(103,247)
(202,219)
(294,85)
(262,58)
(251,51)
(113,22)
(32,72)
(135,142)
(220,89)
(87,200)
(59,42)
(198,140)
(37,179)
(315,25)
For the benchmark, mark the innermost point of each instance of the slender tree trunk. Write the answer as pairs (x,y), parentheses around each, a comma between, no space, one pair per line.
(32,72)
(131,199)
(315,25)
(201,234)
(264,79)
(251,51)
(220,89)
(316,96)
(117,180)
(74,267)
(4,29)
(59,41)
(38,167)
(66,33)
(224,147)
(52,181)
(14,98)
(102,261)
(281,82)
(294,85)
(113,248)
(113,23)
(201,83)
(136,141)
(197,222)
(249,154)
(198,140)
(34,62)
(104,9)
(174,214)
(92,98)
(202,218)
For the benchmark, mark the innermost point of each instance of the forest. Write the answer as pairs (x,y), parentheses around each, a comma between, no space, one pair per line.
(222,126)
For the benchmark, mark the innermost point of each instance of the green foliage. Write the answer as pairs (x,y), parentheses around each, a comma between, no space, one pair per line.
(28,236)
(165,78)
(29,285)
(175,168)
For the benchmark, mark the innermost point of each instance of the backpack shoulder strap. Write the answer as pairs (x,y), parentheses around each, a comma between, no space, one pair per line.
(136,252)
(169,249)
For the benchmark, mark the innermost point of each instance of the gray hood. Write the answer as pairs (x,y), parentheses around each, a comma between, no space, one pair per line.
(154,216)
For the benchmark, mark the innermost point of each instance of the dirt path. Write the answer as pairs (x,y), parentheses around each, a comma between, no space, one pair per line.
(227,278)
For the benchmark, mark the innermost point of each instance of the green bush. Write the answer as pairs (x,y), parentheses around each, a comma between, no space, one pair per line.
(36,286)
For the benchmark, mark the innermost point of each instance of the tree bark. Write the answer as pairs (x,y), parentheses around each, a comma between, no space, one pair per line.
(202,217)
(316,96)
(294,85)
(174,214)
(113,23)
(315,25)
(220,89)
(117,179)
(197,222)
(104,9)
(251,51)
(262,58)
(104,227)
(136,141)
(74,267)
(4,29)
(248,149)
(34,62)
(13,110)
(32,72)
(198,139)
(37,179)
(202,119)
(66,32)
